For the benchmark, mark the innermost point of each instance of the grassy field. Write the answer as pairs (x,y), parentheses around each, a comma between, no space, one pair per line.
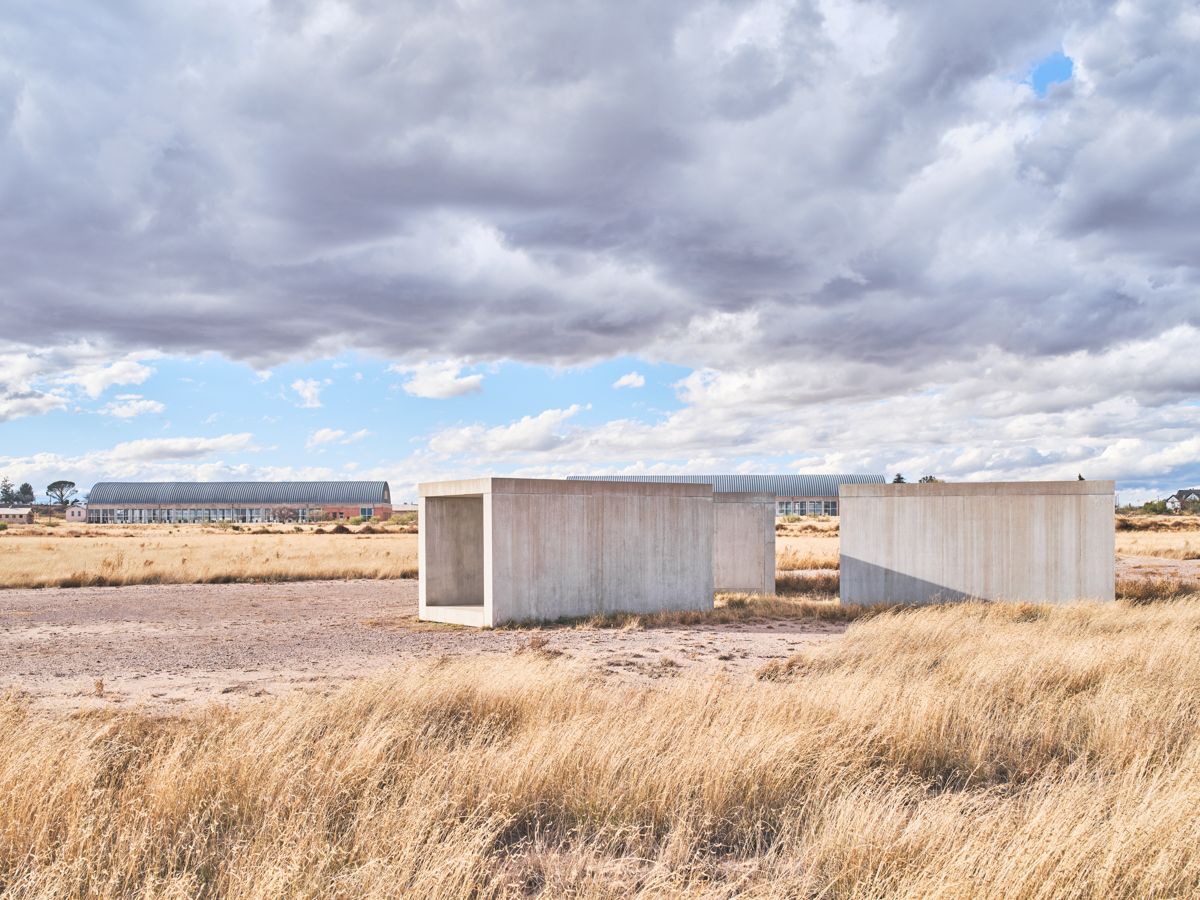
(1163,544)
(70,557)
(971,750)
(65,556)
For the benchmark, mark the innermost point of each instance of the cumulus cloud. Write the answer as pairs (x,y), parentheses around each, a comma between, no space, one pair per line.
(309,392)
(323,436)
(147,459)
(17,403)
(529,434)
(438,380)
(1135,420)
(35,381)
(823,207)
(96,378)
(128,406)
(521,180)
(630,380)
(154,449)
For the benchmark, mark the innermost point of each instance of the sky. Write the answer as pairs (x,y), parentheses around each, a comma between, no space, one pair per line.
(412,241)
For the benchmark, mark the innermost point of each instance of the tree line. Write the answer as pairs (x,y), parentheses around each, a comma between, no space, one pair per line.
(60,493)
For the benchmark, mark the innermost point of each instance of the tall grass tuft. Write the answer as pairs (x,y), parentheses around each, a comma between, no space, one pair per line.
(984,750)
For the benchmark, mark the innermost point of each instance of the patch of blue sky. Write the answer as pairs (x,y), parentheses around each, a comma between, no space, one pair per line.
(512,390)
(1053,69)
(208,395)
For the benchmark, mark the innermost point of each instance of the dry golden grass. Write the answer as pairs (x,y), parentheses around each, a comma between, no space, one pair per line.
(1163,544)
(69,557)
(1158,523)
(817,602)
(806,552)
(1155,590)
(970,750)
(816,525)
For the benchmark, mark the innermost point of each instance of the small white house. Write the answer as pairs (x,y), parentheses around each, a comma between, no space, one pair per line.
(17,515)
(1178,499)
(77,513)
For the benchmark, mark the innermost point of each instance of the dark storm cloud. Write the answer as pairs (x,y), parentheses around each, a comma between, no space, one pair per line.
(564,182)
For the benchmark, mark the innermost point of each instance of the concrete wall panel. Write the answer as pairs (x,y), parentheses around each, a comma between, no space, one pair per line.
(922,543)
(744,542)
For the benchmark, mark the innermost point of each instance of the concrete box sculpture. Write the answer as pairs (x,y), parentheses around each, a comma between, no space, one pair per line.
(925,543)
(744,542)
(496,550)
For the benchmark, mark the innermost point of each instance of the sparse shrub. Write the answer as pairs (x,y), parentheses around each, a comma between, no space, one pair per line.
(355,520)
(1140,591)
(822,583)
(781,669)
(539,644)
(788,559)
(3,526)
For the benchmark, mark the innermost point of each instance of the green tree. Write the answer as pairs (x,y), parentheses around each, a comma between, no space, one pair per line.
(929,479)
(61,492)
(899,479)
(8,494)
(25,495)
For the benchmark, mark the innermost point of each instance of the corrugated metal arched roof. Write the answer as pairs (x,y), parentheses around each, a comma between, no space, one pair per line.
(216,493)
(779,485)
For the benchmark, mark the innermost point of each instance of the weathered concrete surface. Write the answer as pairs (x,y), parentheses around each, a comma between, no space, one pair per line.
(555,549)
(744,542)
(925,543)
(453,567)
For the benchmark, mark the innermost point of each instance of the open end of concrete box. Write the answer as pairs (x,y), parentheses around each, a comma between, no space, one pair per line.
(453,564)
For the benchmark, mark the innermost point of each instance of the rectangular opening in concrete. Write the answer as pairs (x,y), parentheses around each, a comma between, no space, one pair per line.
(452,566)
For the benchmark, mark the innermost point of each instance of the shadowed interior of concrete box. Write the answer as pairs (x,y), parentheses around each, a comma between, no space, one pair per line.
(453,567)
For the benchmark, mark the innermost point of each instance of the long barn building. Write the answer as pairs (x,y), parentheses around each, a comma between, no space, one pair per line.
(795,495)
(132,502)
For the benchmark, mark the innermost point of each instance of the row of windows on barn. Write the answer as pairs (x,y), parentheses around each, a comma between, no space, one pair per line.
(806,508)
(183,516)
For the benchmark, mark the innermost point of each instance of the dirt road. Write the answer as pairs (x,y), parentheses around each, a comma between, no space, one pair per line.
(175,646)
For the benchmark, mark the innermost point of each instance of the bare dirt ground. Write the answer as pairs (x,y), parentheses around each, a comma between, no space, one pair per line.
(172,646)
(1158,567)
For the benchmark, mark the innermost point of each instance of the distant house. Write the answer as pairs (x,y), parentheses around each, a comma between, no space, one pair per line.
(1179,499)
(77,513)
(17,515)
